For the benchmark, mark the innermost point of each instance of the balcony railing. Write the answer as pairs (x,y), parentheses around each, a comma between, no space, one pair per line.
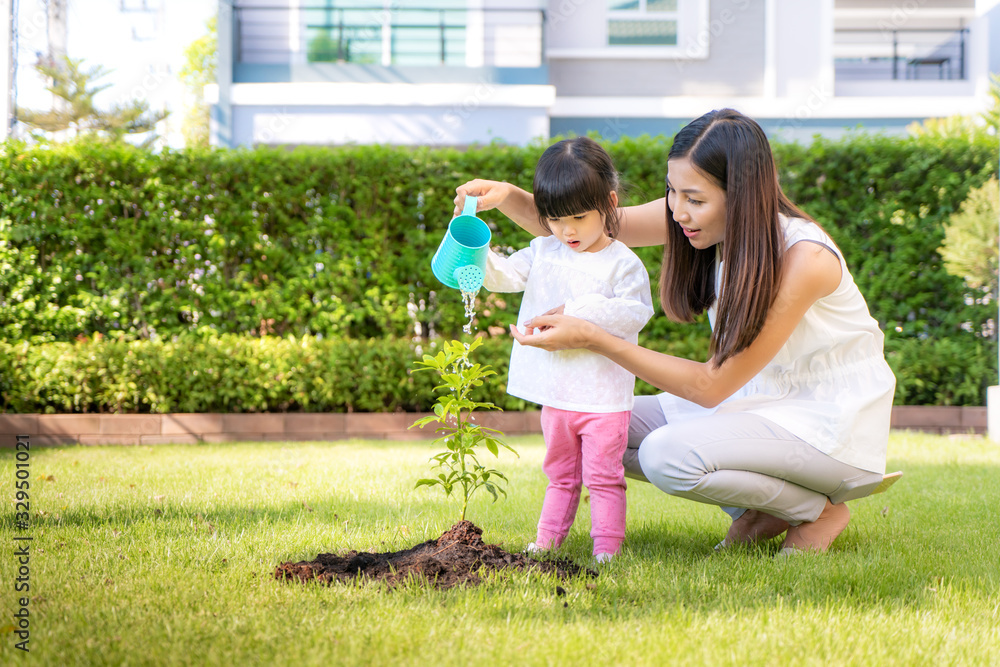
(389,35)
(874,55)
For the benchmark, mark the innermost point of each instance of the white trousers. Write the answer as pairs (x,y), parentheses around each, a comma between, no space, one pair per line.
(738,461)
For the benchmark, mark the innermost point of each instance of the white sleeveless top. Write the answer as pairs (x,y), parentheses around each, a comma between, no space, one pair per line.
(829,384)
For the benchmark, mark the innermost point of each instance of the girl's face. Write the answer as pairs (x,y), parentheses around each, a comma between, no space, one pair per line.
(583,232)
(697,202)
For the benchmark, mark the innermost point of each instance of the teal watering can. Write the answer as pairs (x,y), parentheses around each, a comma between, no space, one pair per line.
(461,258)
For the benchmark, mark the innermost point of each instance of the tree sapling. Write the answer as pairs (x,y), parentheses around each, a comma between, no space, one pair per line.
(461,436)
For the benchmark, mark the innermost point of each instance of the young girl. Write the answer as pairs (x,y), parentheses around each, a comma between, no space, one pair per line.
(789,417)
(580,270)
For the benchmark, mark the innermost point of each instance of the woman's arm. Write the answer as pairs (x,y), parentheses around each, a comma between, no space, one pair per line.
(642,225)
(810,273)
(511,200)
(645,224)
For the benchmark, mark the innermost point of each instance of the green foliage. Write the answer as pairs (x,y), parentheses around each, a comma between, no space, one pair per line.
(454,412)
(334,243)
(886,202)
(970,248)
(948,371)
(77,112)
(206,372)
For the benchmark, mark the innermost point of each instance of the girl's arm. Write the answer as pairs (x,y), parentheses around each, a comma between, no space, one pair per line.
(810,273)
(508,274)
(642,225)
(623,314)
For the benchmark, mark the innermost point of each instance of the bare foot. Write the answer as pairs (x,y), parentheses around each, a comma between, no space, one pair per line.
(818,535)
(754,526)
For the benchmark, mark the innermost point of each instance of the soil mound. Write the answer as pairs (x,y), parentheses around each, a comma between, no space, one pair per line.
(457,557)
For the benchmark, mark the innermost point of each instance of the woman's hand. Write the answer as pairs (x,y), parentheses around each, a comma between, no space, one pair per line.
(558,310)
(558,332)
(490,194)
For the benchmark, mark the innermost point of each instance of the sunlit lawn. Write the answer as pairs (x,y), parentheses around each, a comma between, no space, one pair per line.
(165,555)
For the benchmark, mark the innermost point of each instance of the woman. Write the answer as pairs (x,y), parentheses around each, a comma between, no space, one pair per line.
(789,417)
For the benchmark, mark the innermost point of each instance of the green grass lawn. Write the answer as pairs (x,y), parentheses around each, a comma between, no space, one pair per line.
(165,554)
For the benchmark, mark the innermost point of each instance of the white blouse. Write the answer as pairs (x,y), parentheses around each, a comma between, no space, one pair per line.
(829,384)
(609,288)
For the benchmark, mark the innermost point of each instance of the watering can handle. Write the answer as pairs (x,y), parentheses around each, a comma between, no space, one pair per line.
(470,206)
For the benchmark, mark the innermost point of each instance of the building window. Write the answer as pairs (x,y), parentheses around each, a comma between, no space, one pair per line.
(643,22)
(400,32)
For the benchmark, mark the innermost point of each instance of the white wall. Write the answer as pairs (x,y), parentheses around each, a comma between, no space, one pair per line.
(802,40)
(254,125)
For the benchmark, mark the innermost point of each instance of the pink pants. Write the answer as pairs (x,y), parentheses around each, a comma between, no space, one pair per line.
(584,447)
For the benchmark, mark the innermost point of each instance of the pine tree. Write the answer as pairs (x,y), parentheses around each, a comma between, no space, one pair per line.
(79,115)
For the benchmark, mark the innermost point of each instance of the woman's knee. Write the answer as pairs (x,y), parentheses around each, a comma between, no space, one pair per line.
(660,458)
(647,416)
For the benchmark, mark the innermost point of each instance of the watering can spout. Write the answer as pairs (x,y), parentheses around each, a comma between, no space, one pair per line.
(469,278)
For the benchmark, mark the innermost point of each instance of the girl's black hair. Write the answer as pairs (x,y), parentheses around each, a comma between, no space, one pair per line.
(574,176)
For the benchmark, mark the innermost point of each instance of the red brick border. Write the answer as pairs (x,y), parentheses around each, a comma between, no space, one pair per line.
(195,428)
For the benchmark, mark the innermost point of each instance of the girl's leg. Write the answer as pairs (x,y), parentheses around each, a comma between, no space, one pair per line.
(604,439)
(563,465)
(747,461)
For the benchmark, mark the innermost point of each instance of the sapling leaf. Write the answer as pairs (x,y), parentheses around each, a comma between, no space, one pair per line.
(454,411)
(423,422)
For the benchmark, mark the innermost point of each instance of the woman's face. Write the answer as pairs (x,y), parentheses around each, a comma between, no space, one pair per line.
(697,202)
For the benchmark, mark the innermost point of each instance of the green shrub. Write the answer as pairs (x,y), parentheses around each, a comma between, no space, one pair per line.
(231,373)
(941,372)
(335,243)
(205,372)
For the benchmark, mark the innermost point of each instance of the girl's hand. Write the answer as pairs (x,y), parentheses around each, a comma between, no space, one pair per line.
(557,332)
(490,194)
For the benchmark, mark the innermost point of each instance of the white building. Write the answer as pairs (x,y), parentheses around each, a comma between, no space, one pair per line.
(466,71)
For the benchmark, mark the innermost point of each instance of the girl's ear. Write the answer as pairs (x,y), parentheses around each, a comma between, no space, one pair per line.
(614,199)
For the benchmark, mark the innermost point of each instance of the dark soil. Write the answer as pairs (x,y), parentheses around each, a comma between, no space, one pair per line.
(457,557)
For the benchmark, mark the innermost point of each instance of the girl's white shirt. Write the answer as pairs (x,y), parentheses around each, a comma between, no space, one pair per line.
(829,384)
(609,288)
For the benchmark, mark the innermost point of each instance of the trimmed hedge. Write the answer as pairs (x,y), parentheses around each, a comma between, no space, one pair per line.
(234,373)
(335,243)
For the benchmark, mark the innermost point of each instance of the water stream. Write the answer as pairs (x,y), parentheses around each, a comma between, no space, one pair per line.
(469,300)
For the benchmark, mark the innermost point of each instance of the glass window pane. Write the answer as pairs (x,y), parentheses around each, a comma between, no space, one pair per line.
(656,33)
(661,5)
